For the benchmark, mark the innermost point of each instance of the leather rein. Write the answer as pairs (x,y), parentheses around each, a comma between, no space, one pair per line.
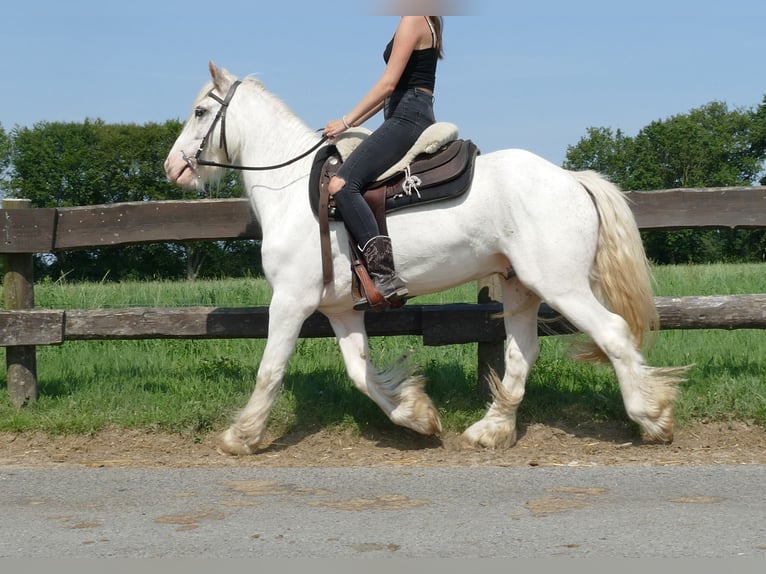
(196,160)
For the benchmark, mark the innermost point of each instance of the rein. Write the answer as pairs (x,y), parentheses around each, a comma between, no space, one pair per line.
(221,116)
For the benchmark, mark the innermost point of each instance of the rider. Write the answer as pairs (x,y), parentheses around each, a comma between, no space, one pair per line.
(405,93)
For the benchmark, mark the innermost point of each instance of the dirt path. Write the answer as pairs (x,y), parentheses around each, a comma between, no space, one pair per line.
(538,445)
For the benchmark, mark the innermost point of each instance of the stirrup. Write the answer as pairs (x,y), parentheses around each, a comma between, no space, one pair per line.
(364,305)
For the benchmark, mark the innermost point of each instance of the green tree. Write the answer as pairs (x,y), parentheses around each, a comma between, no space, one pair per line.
(711,146)
(759,136)
(5,158)
(93,163)
(604,151)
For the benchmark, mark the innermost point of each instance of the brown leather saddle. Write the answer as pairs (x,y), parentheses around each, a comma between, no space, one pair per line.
(445,174)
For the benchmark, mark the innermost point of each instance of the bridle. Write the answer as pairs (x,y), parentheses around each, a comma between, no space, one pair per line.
(194,161)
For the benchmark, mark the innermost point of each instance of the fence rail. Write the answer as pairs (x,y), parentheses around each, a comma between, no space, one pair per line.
(57,229)
(25,231)
(434,323)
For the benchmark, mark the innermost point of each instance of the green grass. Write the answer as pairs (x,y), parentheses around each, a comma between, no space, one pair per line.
(194,386)
(728,378)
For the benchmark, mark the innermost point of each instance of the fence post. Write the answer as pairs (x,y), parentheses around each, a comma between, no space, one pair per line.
(490,354)
(18,293)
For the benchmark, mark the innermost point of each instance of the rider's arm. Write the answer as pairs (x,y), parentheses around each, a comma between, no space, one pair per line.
(406,39)
(367,116)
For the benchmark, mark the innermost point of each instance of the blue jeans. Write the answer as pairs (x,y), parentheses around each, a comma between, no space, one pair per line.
(406,115)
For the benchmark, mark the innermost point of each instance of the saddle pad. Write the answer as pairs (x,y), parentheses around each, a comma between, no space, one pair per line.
(433,138)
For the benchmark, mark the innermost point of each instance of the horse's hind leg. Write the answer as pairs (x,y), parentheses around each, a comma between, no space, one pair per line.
(648,393)
(397,391)
(497,429)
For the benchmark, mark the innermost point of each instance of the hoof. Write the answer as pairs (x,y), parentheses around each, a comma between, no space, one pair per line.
(232,444)
(490,436)
(416,410)
(660,432)
(658,438)
(426,422)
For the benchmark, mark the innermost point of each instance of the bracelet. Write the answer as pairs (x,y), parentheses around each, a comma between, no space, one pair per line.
(345,123)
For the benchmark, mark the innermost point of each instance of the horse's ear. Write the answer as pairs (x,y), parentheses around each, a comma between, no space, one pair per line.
(221,77)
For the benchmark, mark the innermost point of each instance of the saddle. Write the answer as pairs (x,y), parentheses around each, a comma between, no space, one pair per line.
(421,177)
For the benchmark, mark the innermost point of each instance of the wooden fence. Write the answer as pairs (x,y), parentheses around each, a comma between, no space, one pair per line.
(25,231)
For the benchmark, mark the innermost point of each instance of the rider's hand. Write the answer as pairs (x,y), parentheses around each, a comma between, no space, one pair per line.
(334,128)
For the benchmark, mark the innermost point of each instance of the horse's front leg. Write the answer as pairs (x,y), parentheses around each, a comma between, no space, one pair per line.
(245,435)
(397,391)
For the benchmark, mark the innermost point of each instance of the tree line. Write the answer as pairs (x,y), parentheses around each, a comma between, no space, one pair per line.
(710,146)
(73,164)
(92,163)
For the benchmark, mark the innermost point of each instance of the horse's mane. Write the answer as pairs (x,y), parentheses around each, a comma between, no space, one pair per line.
(281,106)
(253,82)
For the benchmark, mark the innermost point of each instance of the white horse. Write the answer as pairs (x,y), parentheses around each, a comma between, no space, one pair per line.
(566,238)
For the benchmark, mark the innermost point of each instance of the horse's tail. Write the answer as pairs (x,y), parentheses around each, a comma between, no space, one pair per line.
(621,276)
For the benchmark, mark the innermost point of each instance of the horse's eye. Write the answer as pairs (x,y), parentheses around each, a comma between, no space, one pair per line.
(199,112)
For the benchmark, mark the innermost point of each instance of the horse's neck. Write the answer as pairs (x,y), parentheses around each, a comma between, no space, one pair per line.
(271,135)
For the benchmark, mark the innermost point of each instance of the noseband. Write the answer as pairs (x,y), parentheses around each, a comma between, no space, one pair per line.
(221,116)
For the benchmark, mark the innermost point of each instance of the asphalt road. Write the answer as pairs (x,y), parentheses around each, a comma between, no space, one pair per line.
(693,512)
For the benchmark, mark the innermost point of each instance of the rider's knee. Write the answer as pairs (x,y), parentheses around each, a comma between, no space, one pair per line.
(336,184)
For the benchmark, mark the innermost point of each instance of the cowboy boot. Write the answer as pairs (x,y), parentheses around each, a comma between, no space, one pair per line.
(380,265)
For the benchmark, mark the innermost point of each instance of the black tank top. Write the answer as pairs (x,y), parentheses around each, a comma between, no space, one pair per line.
(420,71)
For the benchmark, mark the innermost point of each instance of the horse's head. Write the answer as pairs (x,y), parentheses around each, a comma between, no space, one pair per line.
(204,132)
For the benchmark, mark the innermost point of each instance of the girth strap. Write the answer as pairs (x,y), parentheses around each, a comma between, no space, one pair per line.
(330,167)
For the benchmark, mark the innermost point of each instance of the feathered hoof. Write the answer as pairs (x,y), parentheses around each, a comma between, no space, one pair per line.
(657,429)
(416,410)
(231,443)
(424,420)
(657,435)
(484,434)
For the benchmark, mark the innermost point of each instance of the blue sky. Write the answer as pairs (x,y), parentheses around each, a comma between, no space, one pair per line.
(532,74)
